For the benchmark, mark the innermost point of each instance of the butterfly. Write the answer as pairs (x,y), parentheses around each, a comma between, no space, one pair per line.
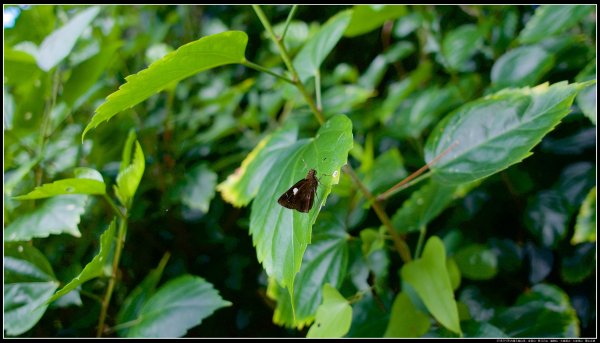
(301,195)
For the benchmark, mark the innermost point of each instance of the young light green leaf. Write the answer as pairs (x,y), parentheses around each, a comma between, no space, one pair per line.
(460,44)
(177,306)
(129,178)
(28,282)
(550,20)
(585,227)
(366,18)
(280,234)
(406,320)
(429,277)
(324,262)
(523,66)
(205,53)
(427,203)
(94,268)
(309,59)
(59,43)
(333,317)
(58,215)
(132,305)
(477,262)
(66,186)
(493,133)
(241,187)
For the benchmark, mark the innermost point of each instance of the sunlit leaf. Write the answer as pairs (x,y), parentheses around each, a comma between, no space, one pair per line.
(550,20)
(522,66)
(429,277)
(585,227)
(177,306)
(406,320)
(333,317)
(366,18)
(87,181)
(205,53)
(129,178)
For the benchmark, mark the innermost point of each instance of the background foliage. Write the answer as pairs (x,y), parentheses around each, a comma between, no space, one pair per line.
(161,136)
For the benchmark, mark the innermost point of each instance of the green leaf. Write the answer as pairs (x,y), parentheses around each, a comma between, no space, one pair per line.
(580,264)
(333,317)
(313,53)
(129,177)
(177,306)
(366,18)
(325,261)
(550,20)
(493,133)
(387,170)
(95,267)
(585,227)
(198,188)
(406,320)
(429,278)
(475,329)
(460,44)
(426,204)
(58,215)
(547,218)
(477,262)
(241,187)
(59,44)
(453,272)
(372,240)
(205,53)
(343,98)
(132,305)
(544,311)
(280,234)
(586,99)
(28,282)
(522,66)
(87,181)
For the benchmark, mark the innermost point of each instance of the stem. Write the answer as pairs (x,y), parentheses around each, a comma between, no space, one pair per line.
(288,21)
(265,70)
(318,90)
(288,62)
(114,206)
(111,282)
(399,242)
(50,103)
(422,233)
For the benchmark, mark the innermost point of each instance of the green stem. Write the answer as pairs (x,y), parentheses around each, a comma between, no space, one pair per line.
(113,278)
(399,242)
(112,204)
(318,90)
(422,233)
(288,21)
(288,63)
(265,70)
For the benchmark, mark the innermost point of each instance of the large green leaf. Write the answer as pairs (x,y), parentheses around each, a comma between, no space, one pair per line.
(490,134)
(205,53)
(28,282)
(324,262)
(366,18)
(429,277)
(130,176)
(313,53)
(523,66)
(550,20)
(460,44)
(59,43)
(406,320)
(241,187)
(58,215)
(280,234)
(585,227)
(333,317)
(544,311)
(95,267)
(177,306)
(87,181)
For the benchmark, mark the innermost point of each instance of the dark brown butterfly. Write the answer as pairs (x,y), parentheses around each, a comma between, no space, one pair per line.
(301,195)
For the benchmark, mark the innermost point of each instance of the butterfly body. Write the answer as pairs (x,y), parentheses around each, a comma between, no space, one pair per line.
(301,195)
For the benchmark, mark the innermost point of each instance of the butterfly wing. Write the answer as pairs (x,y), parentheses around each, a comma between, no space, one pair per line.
(300,196)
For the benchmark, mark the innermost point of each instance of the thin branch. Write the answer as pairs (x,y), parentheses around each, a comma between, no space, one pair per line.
(288,21)
(265,70)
